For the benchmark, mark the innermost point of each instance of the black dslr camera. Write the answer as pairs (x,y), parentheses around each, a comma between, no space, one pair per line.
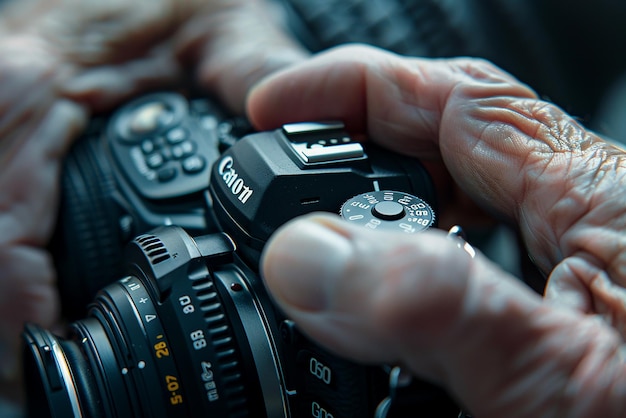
(188,328)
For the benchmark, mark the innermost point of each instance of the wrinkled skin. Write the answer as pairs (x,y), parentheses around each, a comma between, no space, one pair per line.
(420,301)
(63,60)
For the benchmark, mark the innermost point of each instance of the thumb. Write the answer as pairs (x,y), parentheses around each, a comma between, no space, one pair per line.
(421,302)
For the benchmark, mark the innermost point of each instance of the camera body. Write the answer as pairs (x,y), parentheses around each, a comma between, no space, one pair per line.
(146,165)
(268,178)
(188,329)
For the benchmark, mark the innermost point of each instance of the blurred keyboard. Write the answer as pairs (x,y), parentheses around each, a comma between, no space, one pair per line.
(414,27)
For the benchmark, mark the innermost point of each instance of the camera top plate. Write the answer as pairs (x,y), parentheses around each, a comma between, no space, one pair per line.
(268,178)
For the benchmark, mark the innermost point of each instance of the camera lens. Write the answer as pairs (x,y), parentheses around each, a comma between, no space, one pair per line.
(172,339)
(60,384)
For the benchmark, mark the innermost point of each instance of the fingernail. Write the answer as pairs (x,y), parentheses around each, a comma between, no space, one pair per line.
(303,262)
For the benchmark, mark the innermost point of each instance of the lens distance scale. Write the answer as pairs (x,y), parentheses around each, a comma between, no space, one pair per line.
(389,210)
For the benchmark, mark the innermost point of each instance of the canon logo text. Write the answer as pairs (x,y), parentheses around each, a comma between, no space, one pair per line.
(230,176)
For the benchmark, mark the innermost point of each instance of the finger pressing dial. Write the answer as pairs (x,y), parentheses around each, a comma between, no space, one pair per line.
(389,210)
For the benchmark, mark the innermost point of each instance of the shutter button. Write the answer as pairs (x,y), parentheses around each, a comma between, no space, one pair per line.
(388,211)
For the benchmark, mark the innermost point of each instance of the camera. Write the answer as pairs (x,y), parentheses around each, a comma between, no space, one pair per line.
(145,165)
(166,209)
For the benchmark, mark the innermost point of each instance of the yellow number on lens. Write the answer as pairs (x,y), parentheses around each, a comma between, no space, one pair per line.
(161,349)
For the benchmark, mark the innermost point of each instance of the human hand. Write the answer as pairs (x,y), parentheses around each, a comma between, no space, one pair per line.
(118,48)
(61,61)
(420,301)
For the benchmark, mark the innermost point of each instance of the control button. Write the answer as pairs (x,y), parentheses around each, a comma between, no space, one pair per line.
(193,164)
(155,161)
(166,153)
(149,117)
(389,210)
(147,146)
(177,135)
(183,150)
(166,174)
(209,122)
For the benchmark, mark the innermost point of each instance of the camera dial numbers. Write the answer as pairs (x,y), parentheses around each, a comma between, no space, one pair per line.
(389,210)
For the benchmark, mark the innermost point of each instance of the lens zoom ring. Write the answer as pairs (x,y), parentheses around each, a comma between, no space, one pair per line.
(221,338)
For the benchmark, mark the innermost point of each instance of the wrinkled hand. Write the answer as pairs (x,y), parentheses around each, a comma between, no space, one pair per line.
(420,301)
(118,48)
(62,60)
(35,130)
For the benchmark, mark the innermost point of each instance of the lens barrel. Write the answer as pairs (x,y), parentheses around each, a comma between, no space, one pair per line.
(170,340)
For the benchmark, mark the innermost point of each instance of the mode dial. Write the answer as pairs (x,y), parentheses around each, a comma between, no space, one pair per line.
(389,210)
